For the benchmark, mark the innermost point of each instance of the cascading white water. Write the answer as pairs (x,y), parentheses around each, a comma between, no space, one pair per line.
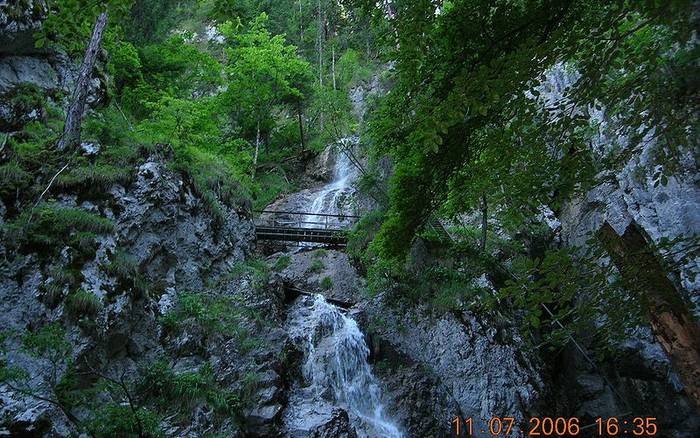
(333,198)
(336,372)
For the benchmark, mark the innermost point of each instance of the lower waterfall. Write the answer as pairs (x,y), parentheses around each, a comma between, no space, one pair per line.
(336,373)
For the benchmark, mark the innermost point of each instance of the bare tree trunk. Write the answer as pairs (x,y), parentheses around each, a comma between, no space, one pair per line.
(257,151)
(301,26)
(484,222)
(301,126)
(671,322)
(333,66)
(320,45)
(71,131)
(320,59)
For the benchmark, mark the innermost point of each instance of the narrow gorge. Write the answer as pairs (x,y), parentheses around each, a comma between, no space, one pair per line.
(349,219)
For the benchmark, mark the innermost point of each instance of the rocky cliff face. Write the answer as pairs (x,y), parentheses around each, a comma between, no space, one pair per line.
(166,234)
(640,377)
(29,75)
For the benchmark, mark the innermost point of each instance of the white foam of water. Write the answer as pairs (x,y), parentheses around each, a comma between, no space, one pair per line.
(332,198)
(336,359)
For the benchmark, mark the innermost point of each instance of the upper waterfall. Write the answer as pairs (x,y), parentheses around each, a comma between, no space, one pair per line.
(335,197)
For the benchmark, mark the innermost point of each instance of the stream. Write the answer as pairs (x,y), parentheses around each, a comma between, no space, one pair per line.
(335,372)
(335,197)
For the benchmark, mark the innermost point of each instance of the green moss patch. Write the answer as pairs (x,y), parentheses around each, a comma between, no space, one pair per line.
(49,227)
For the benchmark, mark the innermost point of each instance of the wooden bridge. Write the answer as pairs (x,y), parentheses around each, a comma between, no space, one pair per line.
(295,226)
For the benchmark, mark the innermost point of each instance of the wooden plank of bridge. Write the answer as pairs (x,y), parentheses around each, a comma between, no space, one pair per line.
(293,292)
(272,230)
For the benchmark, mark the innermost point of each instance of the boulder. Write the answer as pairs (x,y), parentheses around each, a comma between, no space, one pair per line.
(338,426)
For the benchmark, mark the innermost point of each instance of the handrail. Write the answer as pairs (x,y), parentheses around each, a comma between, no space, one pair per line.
(307,213)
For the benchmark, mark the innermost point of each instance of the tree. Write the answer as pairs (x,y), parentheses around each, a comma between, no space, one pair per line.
(463,72)
(71,131)
(673,324)
(263,72)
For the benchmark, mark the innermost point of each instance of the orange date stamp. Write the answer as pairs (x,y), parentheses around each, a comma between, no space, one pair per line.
(554,427)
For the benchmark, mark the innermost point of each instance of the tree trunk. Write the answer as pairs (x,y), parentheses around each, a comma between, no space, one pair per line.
(71,130)
(672,323)
(320,45)
(301,126)
(301,26)
(320,60)
(484,222)
(257,151)
(333,66)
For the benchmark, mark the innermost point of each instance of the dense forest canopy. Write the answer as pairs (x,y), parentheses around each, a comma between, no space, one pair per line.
(464,118)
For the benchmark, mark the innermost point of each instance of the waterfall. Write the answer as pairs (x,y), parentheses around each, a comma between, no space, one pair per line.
(333,197)
(336,372)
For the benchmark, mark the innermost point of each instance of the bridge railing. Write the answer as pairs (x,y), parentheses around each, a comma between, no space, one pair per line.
(298,219)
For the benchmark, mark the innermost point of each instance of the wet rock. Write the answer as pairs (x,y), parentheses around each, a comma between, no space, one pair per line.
(643,379)
(163,225)
(35,73)
(414,395)
(261,420)
(338,426)
(360,94)
(17,109)
(307,271)
(334,373)
(90,148)
(34,421)
(173,239)
(487,374)
(321,169)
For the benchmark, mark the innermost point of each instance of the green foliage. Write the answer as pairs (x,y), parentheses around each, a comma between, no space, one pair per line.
(23,99)
(214,181)
(115,134)
(317,266)
(362,235)
(558,279)
(459,122)
(327,283)
(33,148)
(52,294)
(282,263)
(263,72)
(47,342)
(81,303)
(173,69)
(92,178)
(125,267)
(125,65)
(215,315)
(256,270)
(184,391)
(352,70)
(382,275)
(153,21)
(52,227)
(118,420)
(13,179)
(70,24)
(269,186)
